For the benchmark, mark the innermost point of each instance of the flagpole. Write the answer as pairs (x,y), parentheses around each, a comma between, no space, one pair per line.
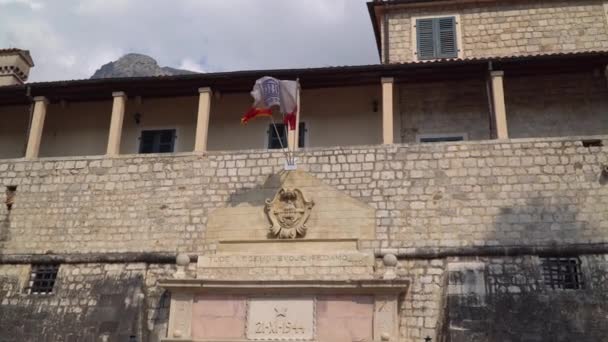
(296,137)
(291,158)
(276,130)
(286,131)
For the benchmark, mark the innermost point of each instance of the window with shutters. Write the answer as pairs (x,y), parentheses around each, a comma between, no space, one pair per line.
(157,141)
(278,137)
(436,38)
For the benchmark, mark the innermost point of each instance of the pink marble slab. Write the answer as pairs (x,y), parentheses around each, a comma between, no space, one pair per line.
(345,318)
(219,317)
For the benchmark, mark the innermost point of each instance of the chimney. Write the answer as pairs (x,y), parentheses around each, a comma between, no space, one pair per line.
(15,66)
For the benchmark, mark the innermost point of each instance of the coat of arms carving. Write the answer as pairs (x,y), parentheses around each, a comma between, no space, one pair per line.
(288,212)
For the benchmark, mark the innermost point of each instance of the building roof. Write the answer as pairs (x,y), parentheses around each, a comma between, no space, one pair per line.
(24,53)
(310,78)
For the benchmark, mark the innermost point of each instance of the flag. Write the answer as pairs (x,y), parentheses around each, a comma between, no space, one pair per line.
(270,92)
(254,113)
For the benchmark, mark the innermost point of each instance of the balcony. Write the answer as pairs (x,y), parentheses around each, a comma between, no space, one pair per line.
(351,106)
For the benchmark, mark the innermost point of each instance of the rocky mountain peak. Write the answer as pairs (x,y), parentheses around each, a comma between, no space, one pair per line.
(136,65)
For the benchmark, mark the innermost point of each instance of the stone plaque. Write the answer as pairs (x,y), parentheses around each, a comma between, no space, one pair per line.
(281,319)
(339,259)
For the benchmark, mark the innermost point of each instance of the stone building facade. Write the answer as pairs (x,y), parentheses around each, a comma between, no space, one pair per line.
(468,203)
(501,28)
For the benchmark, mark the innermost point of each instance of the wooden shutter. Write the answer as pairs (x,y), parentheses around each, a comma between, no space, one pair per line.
(274,140)
(302,129)
(166,141)
(445,29)
(157,141)
(146,142)
(436,38)
(425,38)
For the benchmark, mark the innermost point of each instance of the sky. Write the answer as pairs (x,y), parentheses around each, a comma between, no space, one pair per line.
(70,39)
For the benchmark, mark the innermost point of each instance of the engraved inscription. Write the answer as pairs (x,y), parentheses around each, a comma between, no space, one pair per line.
(289,319)
(385,317)
(280,325)
(303,260)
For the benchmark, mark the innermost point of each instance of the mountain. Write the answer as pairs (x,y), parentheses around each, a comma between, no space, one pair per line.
(136,65)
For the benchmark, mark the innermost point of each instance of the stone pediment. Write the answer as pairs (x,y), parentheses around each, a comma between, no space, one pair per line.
(293,226)
(293,208)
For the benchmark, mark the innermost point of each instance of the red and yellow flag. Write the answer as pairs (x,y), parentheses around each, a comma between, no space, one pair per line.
(254,113)
(269,92)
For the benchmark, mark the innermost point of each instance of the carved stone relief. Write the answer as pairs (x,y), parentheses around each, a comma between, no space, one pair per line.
(288,212)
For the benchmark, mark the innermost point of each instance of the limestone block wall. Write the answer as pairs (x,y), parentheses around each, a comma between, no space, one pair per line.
(557,105)
(564,104)
(449,299)
(423,306)
(444,108)
(506,28)
(514,304)
(529,192)
(90,302)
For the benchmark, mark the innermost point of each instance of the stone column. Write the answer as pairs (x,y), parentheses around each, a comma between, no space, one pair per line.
(118,114)
(36,127)
(498,103)
(202,121)
(180,315)
(387,110)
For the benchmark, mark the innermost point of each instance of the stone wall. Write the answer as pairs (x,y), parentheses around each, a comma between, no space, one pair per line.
(556,105)
(506,28)
(455,299)
(429,199)
(513,303)
(90,302)
(486,193)
(565,104)
(456,107)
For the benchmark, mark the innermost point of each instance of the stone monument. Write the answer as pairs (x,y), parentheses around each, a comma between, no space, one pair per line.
(287,266)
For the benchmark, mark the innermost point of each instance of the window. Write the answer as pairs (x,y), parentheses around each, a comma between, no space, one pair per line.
(42,279)
(275,141)
(562,273)
(431,138)
(436,38)
(157,141)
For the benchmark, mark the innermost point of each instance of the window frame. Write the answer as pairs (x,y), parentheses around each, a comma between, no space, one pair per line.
(414,35)
(303,135)
(552,284)
(420,137)
(176,141)
(33,278)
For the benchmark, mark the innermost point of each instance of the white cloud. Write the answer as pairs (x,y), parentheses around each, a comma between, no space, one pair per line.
(73,38)
(190,64)
(102,7)
(34,5)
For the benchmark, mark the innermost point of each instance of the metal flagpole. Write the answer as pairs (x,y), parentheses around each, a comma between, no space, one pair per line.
(295,140)
(296,136)
(278,136)
(287,128)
